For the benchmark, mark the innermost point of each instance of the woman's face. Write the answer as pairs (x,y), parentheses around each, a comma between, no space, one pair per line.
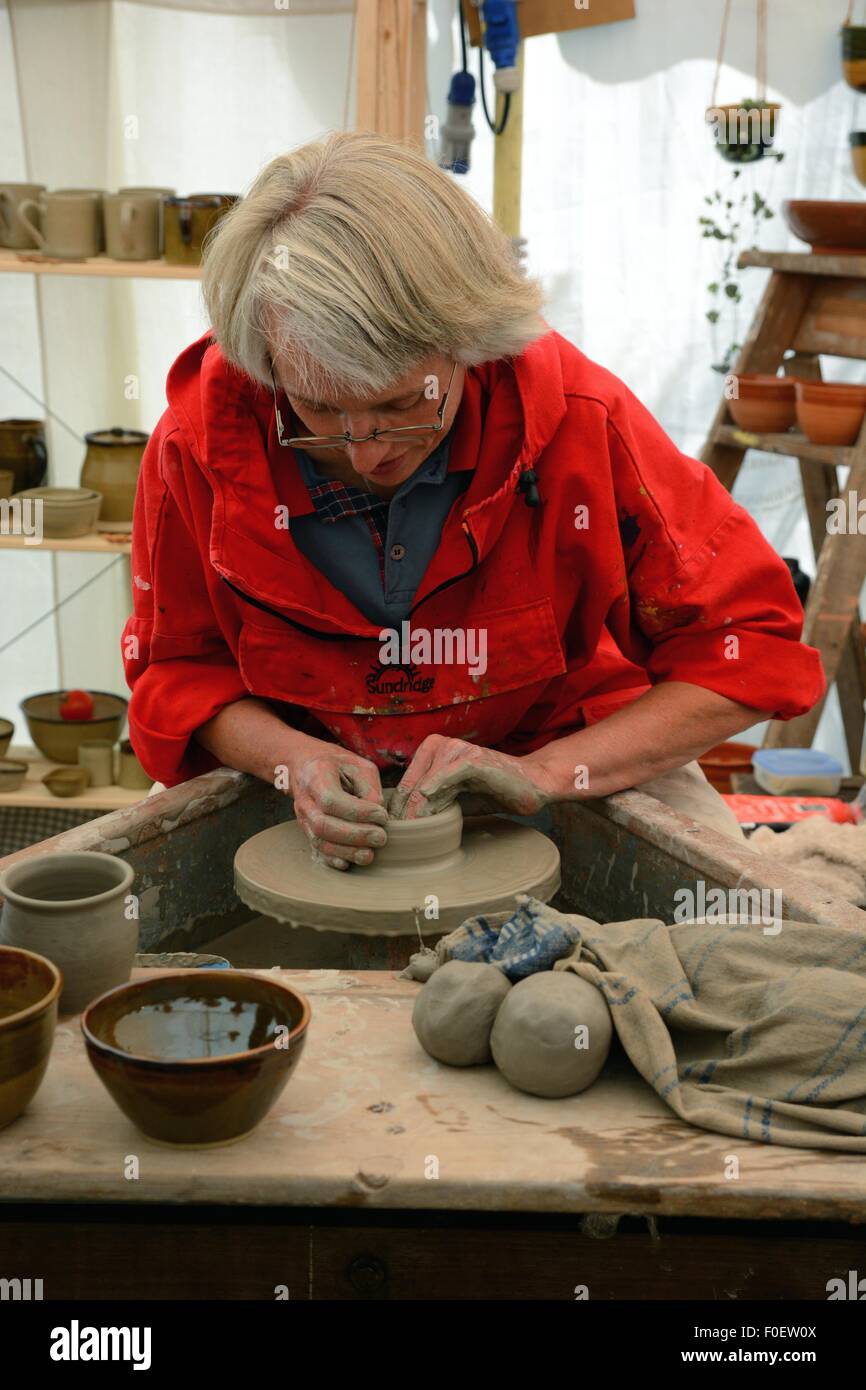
(379,465)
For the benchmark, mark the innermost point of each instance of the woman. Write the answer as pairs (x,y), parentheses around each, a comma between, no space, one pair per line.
(392,527)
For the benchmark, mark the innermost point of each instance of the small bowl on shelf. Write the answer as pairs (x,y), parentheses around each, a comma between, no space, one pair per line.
(196,1058)
(67,781)
(830,412)
(764,404)
(30,989)
(12,774)
(67,512)
(7,729)
(58,738)
(830,227)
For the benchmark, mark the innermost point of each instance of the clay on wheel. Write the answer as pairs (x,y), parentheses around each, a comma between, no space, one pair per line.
(552,1035)
(454,1012)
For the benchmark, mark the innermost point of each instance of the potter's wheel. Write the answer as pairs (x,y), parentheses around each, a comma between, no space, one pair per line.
(472,867)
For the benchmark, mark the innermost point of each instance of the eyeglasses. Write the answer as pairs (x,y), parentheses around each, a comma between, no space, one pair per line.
(323,441)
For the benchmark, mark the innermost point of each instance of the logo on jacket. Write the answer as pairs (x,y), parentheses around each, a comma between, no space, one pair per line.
(386,679)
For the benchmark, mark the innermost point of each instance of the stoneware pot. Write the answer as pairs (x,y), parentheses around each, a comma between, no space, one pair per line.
(22,449)
(199,1057)
(7,729)
(12,775)
(720,762)
(188,222)
(828,226)
(67,781)
(13,232)
(59,739)
(72,908)
(96,756)
(66,511)
(30,987)
(854,56)
(130,772)
(764,404)
(830,412)
(111,467)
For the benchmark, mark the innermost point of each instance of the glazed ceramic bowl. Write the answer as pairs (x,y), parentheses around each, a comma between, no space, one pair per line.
(67,781)
(830,412)
(66,511)
(58,738)
(764,404)
(12,774)
(29,990)
(7,729)
(828,226)
(199,1057)
(73,908)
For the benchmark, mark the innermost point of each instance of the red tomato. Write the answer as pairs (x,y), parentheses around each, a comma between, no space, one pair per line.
(76,705)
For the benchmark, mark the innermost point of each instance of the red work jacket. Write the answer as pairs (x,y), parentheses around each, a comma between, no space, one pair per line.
(636,567)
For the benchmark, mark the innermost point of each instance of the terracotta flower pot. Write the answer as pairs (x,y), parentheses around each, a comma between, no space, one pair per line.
(828,226)
(763,404)
(830,412)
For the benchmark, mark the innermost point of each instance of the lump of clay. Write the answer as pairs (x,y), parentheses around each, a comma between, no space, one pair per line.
(454,1012)
(552,1035)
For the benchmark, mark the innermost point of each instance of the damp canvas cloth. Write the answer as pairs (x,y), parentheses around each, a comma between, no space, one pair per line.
(833,856)
(760,1037)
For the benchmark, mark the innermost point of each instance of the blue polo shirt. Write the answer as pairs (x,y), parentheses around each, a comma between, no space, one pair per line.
(411,524)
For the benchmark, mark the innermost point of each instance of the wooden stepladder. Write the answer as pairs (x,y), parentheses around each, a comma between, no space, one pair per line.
(813,304)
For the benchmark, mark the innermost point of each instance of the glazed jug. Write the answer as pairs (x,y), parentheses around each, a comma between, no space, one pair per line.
(23,451)
(188,222)
(74,909)
(13,232)
(111,467)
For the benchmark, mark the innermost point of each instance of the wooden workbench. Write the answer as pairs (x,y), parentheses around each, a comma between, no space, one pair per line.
(382,1173)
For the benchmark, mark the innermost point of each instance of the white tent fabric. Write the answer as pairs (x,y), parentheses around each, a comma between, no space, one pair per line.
(617,162)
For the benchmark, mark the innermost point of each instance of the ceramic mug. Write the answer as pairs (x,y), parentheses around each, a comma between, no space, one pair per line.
(132,226)
(96,756)
(71,223)
(15,233)
(72,909)
(160,194)
(131,774)
(22,449)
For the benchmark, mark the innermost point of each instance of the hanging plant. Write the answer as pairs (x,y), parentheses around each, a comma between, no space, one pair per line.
(743,132)
(733,219)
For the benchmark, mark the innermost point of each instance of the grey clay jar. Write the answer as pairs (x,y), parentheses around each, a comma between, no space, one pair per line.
(72,909)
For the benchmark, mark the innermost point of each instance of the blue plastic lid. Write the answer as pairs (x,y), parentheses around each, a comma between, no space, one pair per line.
(796,762)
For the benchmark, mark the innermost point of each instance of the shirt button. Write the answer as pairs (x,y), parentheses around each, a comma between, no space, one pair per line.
(397,551)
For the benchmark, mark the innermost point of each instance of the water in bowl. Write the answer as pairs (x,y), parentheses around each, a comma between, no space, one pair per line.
(189,1027)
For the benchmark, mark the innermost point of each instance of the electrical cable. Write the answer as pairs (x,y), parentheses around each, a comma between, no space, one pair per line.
(506,105)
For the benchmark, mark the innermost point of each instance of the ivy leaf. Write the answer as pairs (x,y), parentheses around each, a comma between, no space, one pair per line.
(713,287)
(713,315)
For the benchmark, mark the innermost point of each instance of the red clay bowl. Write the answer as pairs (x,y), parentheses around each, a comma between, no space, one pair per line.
(830,412)
(29,990)
(828,226)
(764,404)
(726,758)
(196,1057)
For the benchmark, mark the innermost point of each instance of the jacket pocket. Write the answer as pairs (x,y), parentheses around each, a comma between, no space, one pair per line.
(427,669)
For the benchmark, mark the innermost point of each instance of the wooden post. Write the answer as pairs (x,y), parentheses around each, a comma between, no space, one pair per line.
(508,159)
(392,68)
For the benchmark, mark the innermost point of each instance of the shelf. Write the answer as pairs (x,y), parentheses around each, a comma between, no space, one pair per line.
(96,543)
(792,444)
(33,794)
(850,264)
(27,263)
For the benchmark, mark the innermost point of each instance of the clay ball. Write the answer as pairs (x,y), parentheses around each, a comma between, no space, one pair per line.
(552,1035)
(454,1012)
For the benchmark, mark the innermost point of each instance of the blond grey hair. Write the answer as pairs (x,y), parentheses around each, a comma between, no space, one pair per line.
(358,258)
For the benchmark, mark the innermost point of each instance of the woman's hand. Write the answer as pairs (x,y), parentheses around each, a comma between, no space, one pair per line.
(443,768)
(338,802)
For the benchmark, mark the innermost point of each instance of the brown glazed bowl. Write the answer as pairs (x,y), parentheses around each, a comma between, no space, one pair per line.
(7,729)
(196,1057)
(765,404)
(29,990)
(828,226)
(830,412)
(58,738)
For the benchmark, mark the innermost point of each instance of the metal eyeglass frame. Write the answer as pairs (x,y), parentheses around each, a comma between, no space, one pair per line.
(322,441)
